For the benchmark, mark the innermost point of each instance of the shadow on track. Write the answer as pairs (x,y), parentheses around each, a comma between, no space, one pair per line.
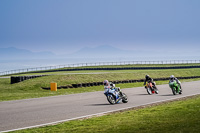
(142,94)
(167,95)
(101,104)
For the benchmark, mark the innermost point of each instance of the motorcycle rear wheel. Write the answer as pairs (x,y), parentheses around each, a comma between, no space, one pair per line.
(156,90)
(180,91)
(124,98)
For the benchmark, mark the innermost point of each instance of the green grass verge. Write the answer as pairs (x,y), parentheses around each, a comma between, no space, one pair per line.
(32,88)
(174,117)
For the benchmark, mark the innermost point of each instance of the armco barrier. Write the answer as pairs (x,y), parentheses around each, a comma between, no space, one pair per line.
(116,82)
(17,79)
(121,68)
(74,67)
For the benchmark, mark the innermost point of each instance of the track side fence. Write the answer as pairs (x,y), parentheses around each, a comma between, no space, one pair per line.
(73,66)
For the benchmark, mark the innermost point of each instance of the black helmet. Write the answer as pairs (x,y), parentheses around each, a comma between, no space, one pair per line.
(147,76)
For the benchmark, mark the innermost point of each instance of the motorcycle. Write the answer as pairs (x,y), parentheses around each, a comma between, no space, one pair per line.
(176,88)
(114,95)
(151,89)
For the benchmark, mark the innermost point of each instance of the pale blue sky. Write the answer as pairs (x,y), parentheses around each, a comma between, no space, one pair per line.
(65,26)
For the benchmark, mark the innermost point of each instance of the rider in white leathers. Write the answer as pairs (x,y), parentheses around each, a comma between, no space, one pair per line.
(110,85)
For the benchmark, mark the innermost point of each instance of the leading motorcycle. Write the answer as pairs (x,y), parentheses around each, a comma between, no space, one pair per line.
(114,95)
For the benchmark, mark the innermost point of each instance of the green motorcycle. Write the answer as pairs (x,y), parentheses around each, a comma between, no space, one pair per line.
(176,88)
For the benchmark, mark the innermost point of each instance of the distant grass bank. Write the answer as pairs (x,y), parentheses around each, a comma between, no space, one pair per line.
(173,117)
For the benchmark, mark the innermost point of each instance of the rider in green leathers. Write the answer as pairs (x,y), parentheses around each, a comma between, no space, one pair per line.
(172,78)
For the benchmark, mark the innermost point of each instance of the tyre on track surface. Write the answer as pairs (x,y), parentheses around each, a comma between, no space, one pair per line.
(149,91)
(124,98)
(111,99)
(173,91)
(156,90)
(180,91)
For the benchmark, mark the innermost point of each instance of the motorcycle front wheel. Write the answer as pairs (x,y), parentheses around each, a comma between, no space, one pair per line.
(149,91)
(174,91)
(111,99)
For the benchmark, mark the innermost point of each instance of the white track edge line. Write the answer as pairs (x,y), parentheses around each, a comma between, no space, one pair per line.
(102,113)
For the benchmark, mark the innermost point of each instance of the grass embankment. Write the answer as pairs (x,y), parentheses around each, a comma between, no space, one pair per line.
(32,88)
(179,116)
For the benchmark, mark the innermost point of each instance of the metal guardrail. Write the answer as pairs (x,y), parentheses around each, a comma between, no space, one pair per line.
(97,64)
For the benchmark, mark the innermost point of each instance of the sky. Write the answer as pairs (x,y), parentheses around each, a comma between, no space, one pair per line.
(65,26)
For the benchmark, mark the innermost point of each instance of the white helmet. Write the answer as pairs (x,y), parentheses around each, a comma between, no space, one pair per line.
(172,77)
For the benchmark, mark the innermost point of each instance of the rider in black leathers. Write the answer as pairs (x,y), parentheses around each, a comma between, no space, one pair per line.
(149,79)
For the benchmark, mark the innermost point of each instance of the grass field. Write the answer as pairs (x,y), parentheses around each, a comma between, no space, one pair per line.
(174,117)
(179,116)
(32,88)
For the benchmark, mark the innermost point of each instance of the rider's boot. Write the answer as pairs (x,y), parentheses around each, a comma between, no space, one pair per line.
(120,93)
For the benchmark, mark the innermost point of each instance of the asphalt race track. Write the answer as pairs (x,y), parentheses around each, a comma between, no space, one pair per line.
(22,114)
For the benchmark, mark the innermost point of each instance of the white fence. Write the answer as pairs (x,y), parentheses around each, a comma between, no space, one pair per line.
(98,64)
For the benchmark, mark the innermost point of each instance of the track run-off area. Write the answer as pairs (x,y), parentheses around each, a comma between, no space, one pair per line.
(36,112)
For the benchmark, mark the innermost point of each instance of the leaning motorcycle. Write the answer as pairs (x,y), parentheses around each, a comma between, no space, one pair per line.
(114,95)
(150,88)
(176,88)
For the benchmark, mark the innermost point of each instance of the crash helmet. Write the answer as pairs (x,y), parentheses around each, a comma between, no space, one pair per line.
(171,77)
(105,82)
(147,76)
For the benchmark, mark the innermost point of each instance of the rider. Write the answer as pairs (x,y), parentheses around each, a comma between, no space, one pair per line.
(106,84)
(172,78)
(110,85)
(149,79)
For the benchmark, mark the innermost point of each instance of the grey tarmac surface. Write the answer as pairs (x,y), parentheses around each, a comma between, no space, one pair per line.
(20,114)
